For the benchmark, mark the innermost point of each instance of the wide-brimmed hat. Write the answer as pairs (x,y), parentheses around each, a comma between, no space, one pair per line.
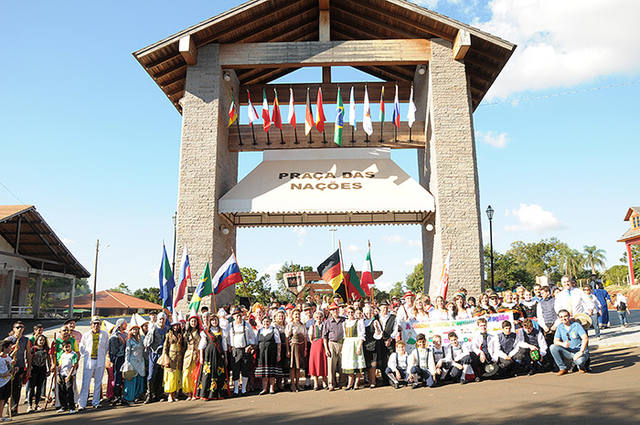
(96,319)
(583,319)
(334,306)
(408,294)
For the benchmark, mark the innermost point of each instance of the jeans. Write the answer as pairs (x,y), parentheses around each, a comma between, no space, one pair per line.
(624,319)
(564,356)
(596,326)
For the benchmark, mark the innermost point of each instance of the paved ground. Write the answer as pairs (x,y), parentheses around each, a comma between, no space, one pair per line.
(609,395)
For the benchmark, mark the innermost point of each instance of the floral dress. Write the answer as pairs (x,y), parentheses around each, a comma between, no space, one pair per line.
(212,379)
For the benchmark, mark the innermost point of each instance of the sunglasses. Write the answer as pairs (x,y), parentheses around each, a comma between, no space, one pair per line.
(18,327)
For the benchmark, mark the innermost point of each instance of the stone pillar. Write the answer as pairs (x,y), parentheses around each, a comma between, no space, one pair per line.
(72,296)
(207,169)
(37,297)
(449,171)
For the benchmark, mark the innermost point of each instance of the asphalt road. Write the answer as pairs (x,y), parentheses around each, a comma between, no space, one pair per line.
(609,395)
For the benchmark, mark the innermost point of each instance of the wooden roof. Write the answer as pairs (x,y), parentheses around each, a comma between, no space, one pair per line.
(38,245)
(113,299)
(298,20)
(631,211)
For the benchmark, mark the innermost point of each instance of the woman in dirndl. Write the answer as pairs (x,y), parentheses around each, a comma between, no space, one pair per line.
(280,325)
(352,357)
(212,379)
(268,356)
(372,344)
(174,350)
(317,356)
(297,334)
(191,356)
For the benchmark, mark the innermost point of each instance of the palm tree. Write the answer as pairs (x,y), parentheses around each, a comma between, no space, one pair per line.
(574,261)
(594,257)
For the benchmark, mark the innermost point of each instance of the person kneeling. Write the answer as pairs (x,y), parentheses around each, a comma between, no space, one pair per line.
(570,344)
(483,348)
(419,362)
(397,367)
(532,348)
(507,350)
(458,358)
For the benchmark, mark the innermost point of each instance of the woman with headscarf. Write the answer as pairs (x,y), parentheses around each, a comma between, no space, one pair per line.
(172,355)
(212,379)
(191,356)
(134,370)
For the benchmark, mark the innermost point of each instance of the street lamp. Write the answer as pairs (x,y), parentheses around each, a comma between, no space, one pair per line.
(95,278)
(490,215)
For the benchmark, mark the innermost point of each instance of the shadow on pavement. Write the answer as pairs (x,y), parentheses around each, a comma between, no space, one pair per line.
(618,358)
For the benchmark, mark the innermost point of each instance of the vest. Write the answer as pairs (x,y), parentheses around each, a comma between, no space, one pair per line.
(531,338)
(507,342)
(388,327)
(548,312)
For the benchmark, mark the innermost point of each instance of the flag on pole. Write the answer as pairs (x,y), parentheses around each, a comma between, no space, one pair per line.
(292,109)
(330,270)
(308,118)
(366,279)
(275,117)
(382,105)
(233,110)
(266,121)
(227,275)
(183,277)
(352,109)
(396,110)
(337,131)
(444,277)
(367,125)
(411,114)
(166,281)
(251,110)
(320,118)
(202,290)
(356,291)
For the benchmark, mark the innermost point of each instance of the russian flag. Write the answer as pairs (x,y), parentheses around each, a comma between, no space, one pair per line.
(185,274)
(227,275)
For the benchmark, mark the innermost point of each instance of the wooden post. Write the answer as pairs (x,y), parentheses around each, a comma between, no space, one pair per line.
(346,288)
(37,297)
(72,296)
(11,281)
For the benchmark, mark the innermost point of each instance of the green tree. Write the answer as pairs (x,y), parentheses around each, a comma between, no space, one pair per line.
(635,254)
(616,275)
(415,280)
(594,257)
(397,290)
(573,262)
(148,294)
(257,289)
(540,258)
(282,292)
(123,288)
(506,269)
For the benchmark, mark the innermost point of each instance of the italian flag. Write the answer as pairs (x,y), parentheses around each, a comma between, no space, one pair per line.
(366,278)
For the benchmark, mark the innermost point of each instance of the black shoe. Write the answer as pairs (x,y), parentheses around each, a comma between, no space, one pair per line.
(477,379)
(395,385)
(415,386)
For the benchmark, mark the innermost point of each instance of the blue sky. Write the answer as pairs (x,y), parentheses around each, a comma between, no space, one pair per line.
(90,139)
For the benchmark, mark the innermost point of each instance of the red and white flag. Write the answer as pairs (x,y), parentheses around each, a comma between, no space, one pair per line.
(251,110)
(266,119)
(366,278)
(320,119)
(444,277)
(185,275)
(292,110)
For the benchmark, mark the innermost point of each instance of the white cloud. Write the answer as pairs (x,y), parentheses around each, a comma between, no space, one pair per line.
(272,269)
(497,140)
(393,239)
(353,248)
(302,233)
(429,4)
(563,43)
(533,218)
(413,262)
(67,241)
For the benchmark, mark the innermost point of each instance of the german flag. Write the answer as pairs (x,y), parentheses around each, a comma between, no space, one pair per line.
(330,270)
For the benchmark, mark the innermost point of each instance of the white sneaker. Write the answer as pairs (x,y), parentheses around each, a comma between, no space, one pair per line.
(61,410)
(72,411)
(80,408)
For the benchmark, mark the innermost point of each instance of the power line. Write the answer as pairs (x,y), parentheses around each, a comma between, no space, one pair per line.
(11,193)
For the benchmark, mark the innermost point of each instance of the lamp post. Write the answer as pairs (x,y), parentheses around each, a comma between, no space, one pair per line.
(175,223)
(490,215)
(333,237)
(95,278)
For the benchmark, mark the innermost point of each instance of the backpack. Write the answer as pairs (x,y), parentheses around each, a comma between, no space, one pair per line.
(622,306)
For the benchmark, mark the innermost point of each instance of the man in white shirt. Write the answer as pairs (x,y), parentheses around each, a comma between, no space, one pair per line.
(622,307)
(458,357)
(572,299)
(483,351)
(398,366)
(93,350)
(241,341)
(405,311)
(419,364)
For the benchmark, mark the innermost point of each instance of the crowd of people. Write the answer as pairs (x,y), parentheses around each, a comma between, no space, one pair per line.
(319,344)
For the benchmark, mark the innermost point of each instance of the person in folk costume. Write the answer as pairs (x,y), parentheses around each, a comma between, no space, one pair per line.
(483,351)
(389,333)
(268,355)
(307,317)
(546,314)
(191,355)
(405,310)
(241,342)
(40,369)
(532,347)
(483,308)
(144,330)
(117,347)
(529,305)
(419,311)
(451,310)
(418,364)
(297,334)
(93,350)
(212,377)
(172,357)
(507,349)
(440,311)
(459,358)
(437,360)
(154,343)
(372,343)
(397,369)
(461,312)
(352,355)
(134,370)
(317,356)
(279,322)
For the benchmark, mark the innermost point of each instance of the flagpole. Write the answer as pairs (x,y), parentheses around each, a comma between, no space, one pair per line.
(352,135)
(253,134)
(268,140)
(346,288)
(382,131)
(238,121)
(281,137)
(242,277)
(295,135)
(372,289)
(213,290)
(324,139)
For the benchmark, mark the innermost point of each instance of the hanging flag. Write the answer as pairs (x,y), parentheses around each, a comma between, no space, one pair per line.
(381,117)
(183,277)
(330,270)
(320,119)
(396,110)
(352,109)
(275,117)
(337,131)
(292,109)
(251,110)
(233,110)
(355,286)
(411,115)
(367,125)
(227,275)
(202,290)
(266,121)
(366,279)
(308,118)
(166,281)
(444,277)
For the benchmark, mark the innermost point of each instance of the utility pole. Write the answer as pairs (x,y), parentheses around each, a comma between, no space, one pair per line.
(95,278)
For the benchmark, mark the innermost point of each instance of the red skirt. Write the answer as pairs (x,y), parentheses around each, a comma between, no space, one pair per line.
(317,359)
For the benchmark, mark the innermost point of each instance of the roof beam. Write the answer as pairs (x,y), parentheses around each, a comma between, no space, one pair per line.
(188,50)
(461,44)
(325,53)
